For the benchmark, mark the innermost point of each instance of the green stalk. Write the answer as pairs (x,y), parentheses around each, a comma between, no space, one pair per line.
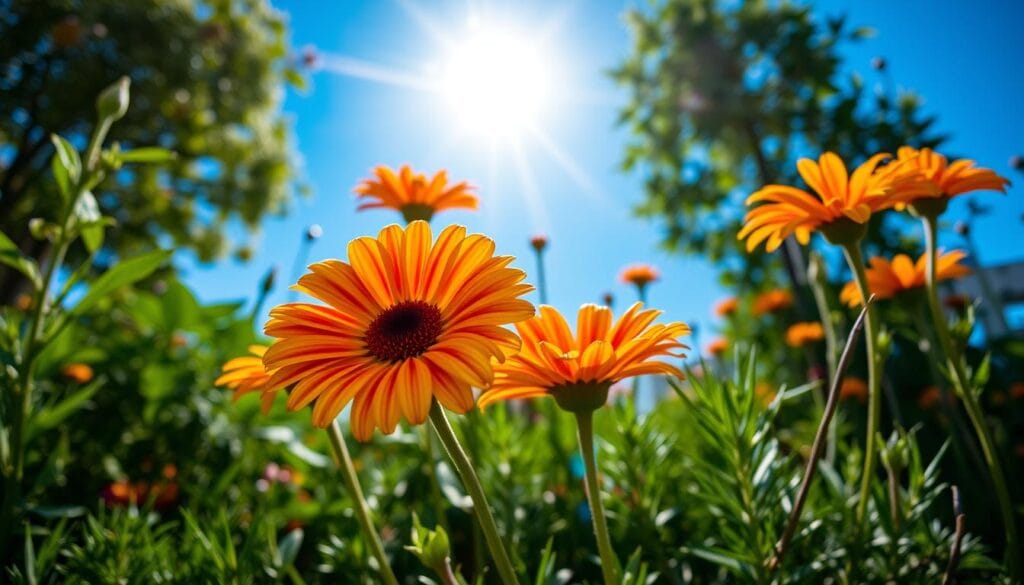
(817,279)
(37,322)
(856,262)
(542,288)
(481,508)
(962,385)
(609,562)
(348,476)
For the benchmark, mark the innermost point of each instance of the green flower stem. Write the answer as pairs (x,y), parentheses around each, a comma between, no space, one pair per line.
(958,426)
(476,492)
(817,280)
(542,287)
(856,262)
(14,469)
(348,476)
(962,385)
(609,562)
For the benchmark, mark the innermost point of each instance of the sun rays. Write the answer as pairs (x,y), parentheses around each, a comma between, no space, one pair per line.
(497,85)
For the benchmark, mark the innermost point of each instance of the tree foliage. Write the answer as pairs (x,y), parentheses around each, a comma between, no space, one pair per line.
(726,96)
(207,82)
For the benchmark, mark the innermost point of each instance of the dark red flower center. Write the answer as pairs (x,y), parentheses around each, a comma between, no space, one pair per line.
(403,331)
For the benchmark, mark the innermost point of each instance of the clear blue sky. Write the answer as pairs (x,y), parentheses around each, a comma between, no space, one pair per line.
(966,62)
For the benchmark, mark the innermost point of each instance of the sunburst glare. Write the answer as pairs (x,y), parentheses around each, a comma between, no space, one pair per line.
(496,82)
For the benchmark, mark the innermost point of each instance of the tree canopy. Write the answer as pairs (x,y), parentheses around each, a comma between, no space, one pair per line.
(208,78)
(726,96)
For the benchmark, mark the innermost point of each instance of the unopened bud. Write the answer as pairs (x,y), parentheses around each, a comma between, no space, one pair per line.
(268,280)
(112,104)
(539,242)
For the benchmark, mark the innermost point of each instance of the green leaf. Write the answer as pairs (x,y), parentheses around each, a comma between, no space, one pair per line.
(30,557)
(67,159)
(51,417)
(123,274)
(90,220)
(11,255)
(86,208)
(288,547)
(150,154)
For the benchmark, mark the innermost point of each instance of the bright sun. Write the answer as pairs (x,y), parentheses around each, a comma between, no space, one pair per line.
(496,83)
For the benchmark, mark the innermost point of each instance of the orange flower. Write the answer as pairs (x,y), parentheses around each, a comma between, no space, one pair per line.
(765,392)
(412,194)
(580,370)
(947,180)
(247,374)
(123,493)
(853,387)
(717,346)
(887,279)
(773,301)
(727,307)
(837,196)
(801,334)
(639,274)
(23,302)
(929,397)
(407,320)
(77,372)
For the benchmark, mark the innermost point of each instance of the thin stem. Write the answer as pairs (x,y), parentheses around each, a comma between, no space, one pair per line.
(609,562)
(856,262)
(818,283)
(476,492)
(949,578)
(819,442)
(895,508)
(348,476)
(962,385)
(958,425)
(542,287)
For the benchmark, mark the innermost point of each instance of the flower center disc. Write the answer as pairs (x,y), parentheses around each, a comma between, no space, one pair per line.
(403,331)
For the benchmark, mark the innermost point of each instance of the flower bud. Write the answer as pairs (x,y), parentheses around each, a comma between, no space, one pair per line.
(112,104)
(539,242)
(430,546)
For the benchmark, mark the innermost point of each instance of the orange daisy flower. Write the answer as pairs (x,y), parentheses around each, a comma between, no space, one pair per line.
(639,274)
(887,279)
(77,372)
(578,371)
(412,194)
(407,320)
(853,387)
(727,307)
(717,347)
(946,180)
(773,301)
(801,334)
(837,195)
(247,374)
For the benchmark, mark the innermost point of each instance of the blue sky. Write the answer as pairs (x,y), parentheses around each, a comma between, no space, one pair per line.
(965,62)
